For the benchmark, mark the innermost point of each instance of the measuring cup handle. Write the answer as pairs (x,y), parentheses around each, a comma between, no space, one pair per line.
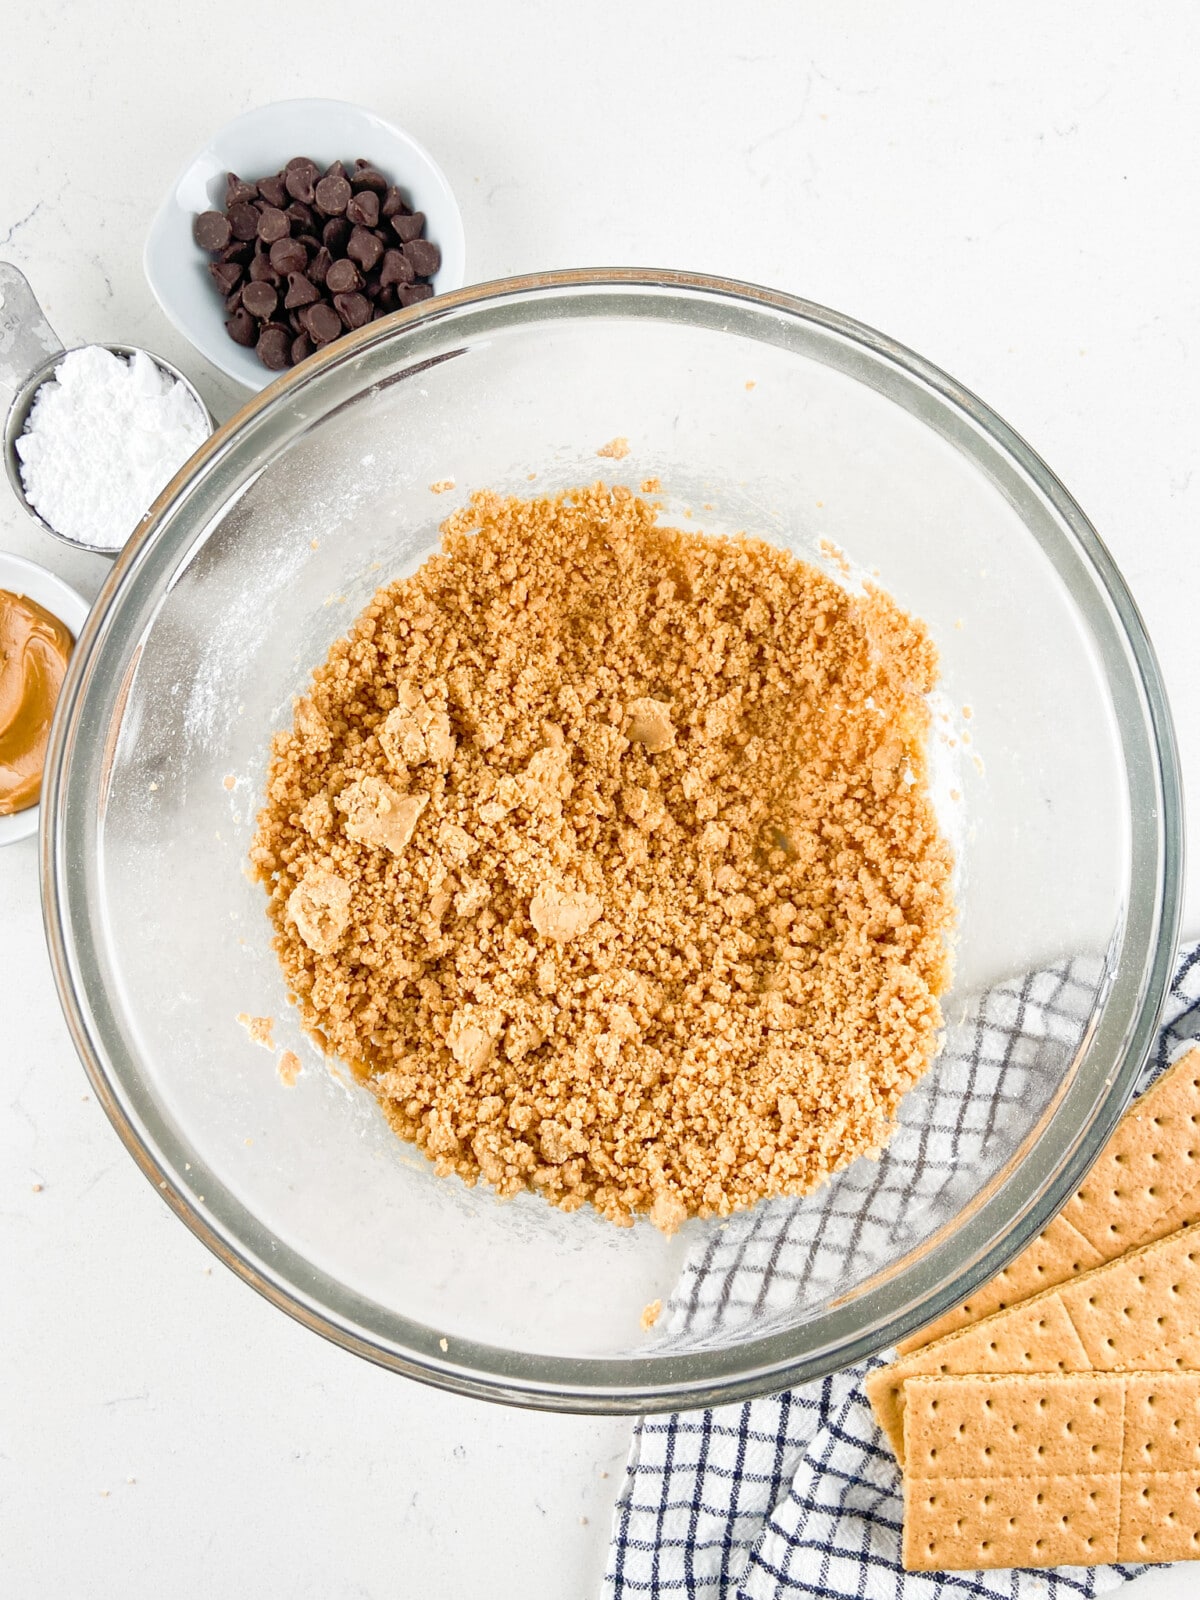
(27,341)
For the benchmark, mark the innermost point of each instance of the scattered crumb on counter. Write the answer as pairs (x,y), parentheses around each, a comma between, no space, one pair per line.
(967,713)
(288,1070)
(441,486)
(616,449)
(443,1345)
(652,486)
(229,781)
(750,383)
(37,1188)
(650,1315)
(259,1029)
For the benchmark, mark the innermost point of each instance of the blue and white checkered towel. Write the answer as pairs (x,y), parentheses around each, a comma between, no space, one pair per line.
(798,1493)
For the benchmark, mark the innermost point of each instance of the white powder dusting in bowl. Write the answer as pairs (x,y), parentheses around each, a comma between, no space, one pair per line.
(103,437)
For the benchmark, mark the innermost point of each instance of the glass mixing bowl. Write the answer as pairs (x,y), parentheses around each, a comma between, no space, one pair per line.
(757,411)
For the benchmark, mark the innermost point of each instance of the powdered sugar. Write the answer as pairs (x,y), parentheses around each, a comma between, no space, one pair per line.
(104,436)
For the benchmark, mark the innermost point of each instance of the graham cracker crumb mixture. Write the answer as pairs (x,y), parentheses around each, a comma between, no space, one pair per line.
(603,852)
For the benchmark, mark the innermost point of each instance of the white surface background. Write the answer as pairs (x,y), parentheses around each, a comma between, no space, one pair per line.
(1008,188)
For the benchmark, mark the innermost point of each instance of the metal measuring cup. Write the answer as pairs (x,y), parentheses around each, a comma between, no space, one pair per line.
(30,350)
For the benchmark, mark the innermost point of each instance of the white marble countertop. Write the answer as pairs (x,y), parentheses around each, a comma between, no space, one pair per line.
(1008,189)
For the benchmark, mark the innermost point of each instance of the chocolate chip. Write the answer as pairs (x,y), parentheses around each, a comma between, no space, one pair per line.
(211,231)
(242,328)
(365,248)
(333,195)
(226,275)
(425,257)
(272,224)
(289,255)
(274,348)
(259,299)
(364,208)
(300,291)
(319,266)
(243,219)
(407,228)
(365,176)
(354,309)
(236,192)
(261,270)
(396,268)
(303,220)
(346,235)
(273,190)
(321,322)
(300,178)
(342,277)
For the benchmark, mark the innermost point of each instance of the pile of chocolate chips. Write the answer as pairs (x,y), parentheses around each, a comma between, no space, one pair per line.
(303,256)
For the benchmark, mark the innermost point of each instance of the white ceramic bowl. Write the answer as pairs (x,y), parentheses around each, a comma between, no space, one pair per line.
(258,143)
(26,578)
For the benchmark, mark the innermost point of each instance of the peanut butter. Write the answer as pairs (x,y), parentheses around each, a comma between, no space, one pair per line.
(34,646)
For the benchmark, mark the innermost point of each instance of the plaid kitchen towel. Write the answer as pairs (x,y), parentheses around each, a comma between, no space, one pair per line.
(798,1493)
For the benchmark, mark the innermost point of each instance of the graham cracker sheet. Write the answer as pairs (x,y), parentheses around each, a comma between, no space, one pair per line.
(1140,1312)
(1144,1186)
(1044,1470)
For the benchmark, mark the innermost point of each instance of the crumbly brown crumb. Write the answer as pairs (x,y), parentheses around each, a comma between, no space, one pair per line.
(651,1314)
(668,928)
(616,449)
(259,1028)
(651,485)
(288,1070)
(441,485)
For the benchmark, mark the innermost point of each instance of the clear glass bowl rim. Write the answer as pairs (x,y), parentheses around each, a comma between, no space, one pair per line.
(950,1268)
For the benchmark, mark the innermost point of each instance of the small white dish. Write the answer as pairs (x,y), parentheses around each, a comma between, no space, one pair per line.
(259,143)
(26,578)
